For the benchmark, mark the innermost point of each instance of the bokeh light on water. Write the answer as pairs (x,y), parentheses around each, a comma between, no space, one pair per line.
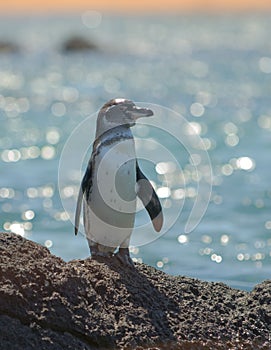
(215,71)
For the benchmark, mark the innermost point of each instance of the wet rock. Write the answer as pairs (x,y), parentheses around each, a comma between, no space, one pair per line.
(86,304)
(77,43)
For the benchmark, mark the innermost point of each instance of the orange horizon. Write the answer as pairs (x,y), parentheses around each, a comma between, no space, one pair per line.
(33,6)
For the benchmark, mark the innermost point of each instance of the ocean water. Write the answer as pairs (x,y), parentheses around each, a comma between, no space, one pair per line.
(207,149)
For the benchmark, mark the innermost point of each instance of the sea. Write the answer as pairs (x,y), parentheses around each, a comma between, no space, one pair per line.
(206,150)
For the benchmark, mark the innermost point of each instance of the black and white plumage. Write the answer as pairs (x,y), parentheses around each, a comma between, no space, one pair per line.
(112,182)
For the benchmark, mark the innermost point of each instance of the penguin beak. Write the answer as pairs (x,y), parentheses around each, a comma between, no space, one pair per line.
(137,112)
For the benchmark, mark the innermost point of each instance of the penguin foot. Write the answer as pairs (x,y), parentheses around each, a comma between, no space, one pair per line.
(101,254)
(97,255)
(98,250)
(124,258)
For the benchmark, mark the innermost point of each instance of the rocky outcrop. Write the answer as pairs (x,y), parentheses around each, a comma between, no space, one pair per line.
(46,303)
(8,47)
(77,43)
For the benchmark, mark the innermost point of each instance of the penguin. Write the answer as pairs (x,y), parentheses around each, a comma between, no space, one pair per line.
(112,182)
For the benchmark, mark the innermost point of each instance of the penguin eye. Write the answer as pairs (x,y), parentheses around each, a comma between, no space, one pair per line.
(127,108)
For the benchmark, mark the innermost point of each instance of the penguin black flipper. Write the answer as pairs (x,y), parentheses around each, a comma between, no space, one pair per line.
(84,189)
(149,198)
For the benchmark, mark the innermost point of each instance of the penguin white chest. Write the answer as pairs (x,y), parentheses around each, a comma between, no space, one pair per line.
(112,205)
(115,175)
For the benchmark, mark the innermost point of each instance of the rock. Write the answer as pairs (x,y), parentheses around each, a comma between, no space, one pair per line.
(77,43)
(8,47)
(47,303)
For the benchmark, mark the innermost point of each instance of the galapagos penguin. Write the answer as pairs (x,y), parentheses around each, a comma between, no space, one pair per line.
(112,182)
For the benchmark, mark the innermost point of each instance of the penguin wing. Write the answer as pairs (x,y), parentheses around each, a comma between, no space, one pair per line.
(149,198)
(84,188)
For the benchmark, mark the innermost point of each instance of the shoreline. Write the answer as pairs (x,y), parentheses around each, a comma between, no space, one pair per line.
(62,12)
(140,7)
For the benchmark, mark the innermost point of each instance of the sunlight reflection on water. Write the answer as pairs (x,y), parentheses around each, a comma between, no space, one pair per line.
(217,77)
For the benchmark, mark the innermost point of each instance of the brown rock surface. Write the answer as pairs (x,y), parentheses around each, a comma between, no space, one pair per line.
(46,303)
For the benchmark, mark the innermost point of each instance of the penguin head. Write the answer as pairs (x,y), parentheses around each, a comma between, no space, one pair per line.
(120,112)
